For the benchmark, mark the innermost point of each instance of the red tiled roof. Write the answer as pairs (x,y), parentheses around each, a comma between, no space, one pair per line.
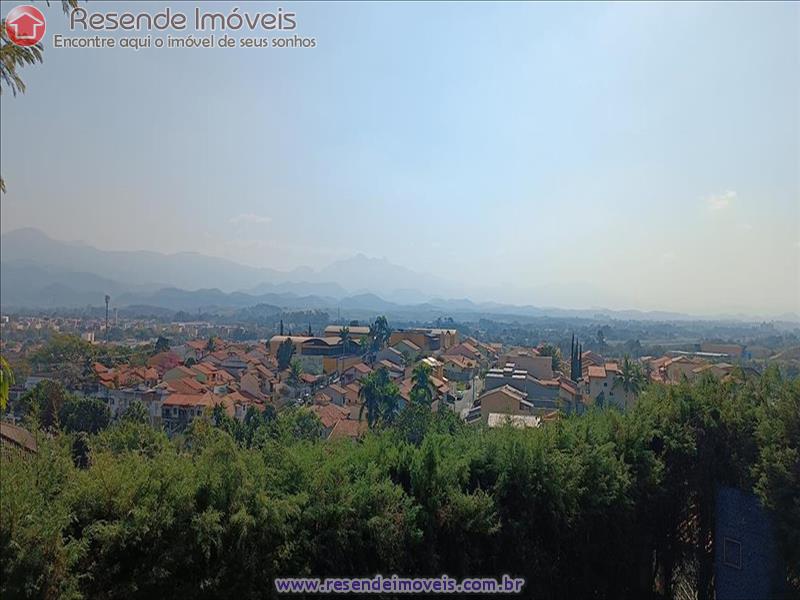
(188,400)
(569,386)
(348,428)
(186,386)
(595,371)
(460,361)
(17,436)
(185,371)
(329,414)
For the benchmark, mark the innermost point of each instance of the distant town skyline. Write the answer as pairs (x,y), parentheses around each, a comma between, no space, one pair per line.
(621,155)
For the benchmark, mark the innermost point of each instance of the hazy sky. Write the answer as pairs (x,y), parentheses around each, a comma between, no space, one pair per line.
(626,155)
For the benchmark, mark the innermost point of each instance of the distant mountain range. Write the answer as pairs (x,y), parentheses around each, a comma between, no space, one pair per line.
(40,272)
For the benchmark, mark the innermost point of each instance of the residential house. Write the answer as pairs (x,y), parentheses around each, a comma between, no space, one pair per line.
(355,372)
(719,370)
(682,367)
(506,400)
(428,340)
(254,382)
(391,355)
(352,391)
(395,370)
(348,429)
(164,361)
(467,350)
(589,357)
(329,415)
(187,385)
(119,399)
(436,366)
(529,360)
(545,394)
(336,393)
(459,368)
(179,372)
(408,349)
(234,363)
(178,410)
(237,404)
(600,384)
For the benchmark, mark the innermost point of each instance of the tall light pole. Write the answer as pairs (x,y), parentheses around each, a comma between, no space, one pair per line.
(108,299)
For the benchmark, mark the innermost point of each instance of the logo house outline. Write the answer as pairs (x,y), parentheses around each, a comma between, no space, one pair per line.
(25,25)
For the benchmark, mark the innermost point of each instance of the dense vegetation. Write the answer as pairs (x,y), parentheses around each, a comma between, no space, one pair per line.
(606,505)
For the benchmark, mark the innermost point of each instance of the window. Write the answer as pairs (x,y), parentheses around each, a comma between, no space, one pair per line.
(732,553)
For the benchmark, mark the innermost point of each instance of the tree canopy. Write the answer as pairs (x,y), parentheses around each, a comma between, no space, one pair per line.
(605,505)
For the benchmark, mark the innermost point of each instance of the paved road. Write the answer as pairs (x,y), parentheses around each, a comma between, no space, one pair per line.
(466,402)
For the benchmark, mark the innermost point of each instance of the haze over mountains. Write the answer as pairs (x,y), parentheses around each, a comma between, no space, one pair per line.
(40,272)
(32,261)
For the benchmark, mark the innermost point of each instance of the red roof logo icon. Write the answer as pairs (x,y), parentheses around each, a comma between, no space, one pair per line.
(25,25)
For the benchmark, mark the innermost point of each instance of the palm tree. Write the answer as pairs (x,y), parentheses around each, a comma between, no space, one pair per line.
(422,390)
(630,378)
(380,332)
(344,336)
(379,398)
(369,394)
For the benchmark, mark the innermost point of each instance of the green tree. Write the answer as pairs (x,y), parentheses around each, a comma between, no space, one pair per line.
(295,371)
(67,358)
(296,424)
(285,353)
(422,388)
(554,353)
(379,333)
(777,469)
(344,335)
(630,379)
(606,505)
(86,415)
(379,396)
(44,402)
(162,345)
(136,413)
(6,381)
